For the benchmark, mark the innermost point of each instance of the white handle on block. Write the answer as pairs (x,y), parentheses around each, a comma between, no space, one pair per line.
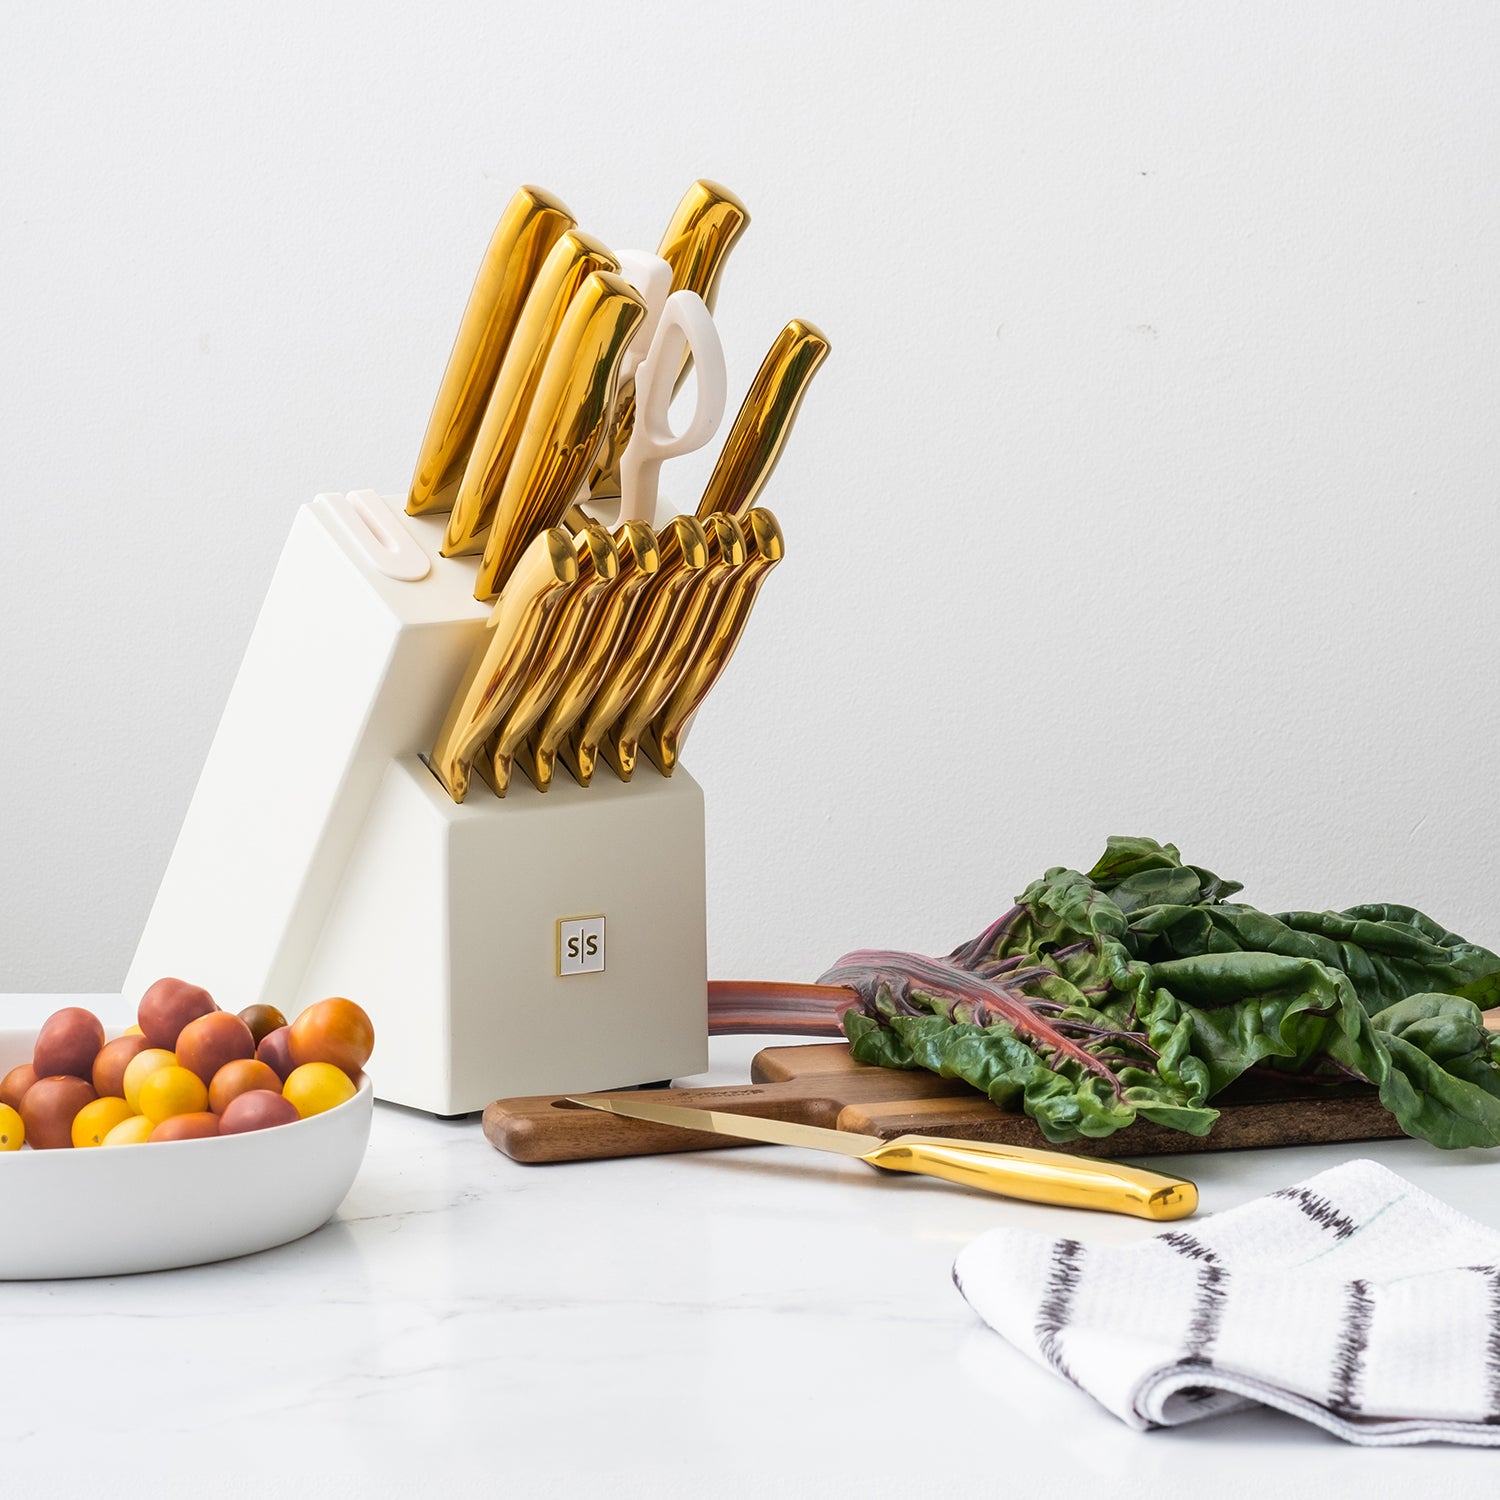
(685,325)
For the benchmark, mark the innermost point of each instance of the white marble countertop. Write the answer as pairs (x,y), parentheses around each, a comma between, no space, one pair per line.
(741,1323)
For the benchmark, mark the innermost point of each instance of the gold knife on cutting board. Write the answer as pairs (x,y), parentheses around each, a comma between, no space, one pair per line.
(573,259)
(503,656)
(532,223)
(702,231)
(598,567)
(765,419)
(565,424)
(683,548)
(716,642)
(635,544)
(1023,1172)
(726,553)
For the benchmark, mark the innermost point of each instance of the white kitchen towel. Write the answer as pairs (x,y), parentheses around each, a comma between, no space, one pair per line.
(1353,1300)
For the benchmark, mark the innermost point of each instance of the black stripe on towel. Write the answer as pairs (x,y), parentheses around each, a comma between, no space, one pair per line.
(1354,1339)
(1208,1307)
(1492,1345)
(1056,1306)
(1320,1211)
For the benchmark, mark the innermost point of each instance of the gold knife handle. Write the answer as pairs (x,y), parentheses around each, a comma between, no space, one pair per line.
(1041,1176)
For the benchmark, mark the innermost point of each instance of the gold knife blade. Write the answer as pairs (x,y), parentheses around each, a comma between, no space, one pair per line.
(565,424)
(702,231)
(598,567)
(498,667)
(726,553)
(683,547)
(765,419)
(573,258)
(532,223)
(639,558)
(716,642)
(1011,1171)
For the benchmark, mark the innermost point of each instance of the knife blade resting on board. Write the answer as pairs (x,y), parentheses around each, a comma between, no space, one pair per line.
(683,546)
(764,420)
(598,567)
(703,229)
(679,634)
(1022,1172)
(565,423)
(504,655)
(532,223)
(764,548)
(639,558)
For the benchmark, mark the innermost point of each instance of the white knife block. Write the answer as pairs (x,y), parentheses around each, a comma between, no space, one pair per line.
(320,856)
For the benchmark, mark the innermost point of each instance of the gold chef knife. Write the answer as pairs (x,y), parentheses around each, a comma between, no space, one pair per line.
(530,226)
(565,424)
(639,558)
(1011,1171)
(574,258)
(500,661)
(726,553)
(598,567)
(702,231)
(765,418)
(683,548)
(764,548)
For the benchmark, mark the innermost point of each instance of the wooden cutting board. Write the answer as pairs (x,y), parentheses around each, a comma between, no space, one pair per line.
(819,1084)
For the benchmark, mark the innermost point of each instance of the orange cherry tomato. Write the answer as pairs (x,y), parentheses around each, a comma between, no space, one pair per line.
(333,1031)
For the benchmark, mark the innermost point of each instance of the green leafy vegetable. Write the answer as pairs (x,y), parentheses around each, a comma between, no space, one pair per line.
(1138,990)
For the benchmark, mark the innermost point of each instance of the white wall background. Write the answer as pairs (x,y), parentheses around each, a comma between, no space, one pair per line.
(1150,486)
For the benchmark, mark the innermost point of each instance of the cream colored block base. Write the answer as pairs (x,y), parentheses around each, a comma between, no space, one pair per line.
(445,928)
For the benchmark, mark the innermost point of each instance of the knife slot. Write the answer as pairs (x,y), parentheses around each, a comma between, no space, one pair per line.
(372,524)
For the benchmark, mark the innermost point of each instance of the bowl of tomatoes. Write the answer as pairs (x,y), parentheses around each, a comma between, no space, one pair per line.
(193,1134)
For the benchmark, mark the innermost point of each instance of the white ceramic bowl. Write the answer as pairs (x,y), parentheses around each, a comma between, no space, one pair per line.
(108,1212)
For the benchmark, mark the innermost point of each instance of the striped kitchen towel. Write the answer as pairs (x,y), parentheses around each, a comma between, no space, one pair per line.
(1353,1300)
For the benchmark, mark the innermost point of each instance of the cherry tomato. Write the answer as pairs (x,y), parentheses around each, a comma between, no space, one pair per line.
(48,1109)
(316,1086)
(239,1077)
(168,1006)
(262,1021)
(110,1065)
(68,1042)
(15,1083)
(12,1129)
(194,1126)
(134,1131)
(274,1051)
(205,1045)
(333,1031)
(95,1121)
(140,1068)
(172,1091)
(258,1109)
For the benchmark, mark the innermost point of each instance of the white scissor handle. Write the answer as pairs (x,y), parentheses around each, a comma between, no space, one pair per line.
(685,325)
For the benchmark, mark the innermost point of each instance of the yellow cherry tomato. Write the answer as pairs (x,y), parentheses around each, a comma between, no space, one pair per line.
(317,1086)
(12,1131)
(135,1130)
(140,1068)
(131,1031)
(95,1121)
(172,1091)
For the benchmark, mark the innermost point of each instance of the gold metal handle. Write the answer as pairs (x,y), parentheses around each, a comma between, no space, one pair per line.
(716,641)
(703,230)
(565,423)
(765,418)
(1041,1176)
(502,657)
(532,223)
(573,259)
(677,639)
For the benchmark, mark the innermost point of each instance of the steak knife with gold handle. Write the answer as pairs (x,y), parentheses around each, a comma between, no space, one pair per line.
(639,558)
(598,567)
(532,223)
(501,660)
(683,547)
(566,422)
(716,642)
(575,257)
(764,420)
(726,553)
(703,230)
